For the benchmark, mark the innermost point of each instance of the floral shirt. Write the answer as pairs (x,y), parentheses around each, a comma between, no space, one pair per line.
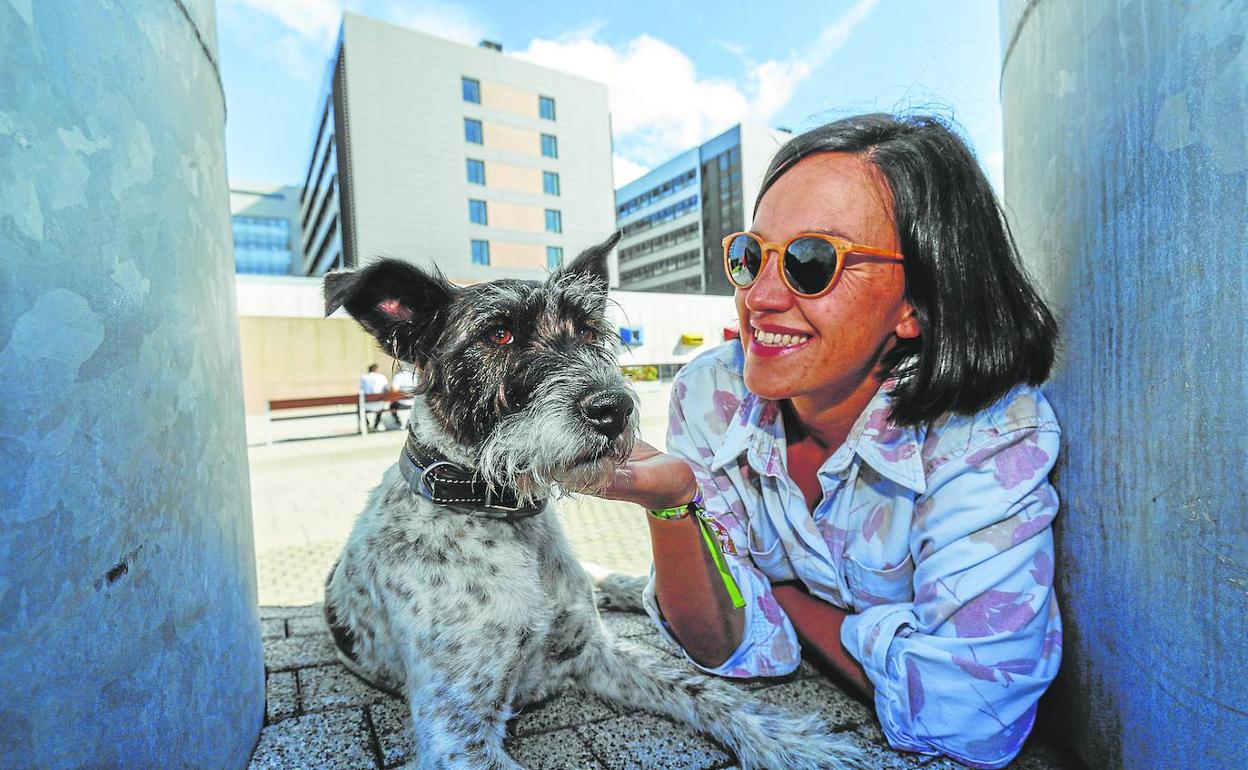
(937,539)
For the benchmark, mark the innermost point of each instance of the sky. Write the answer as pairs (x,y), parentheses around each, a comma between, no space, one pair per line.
(677,71)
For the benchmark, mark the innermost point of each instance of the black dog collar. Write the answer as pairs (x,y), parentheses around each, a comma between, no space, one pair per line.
(453,486)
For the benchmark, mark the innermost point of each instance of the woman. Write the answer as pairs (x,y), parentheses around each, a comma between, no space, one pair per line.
(870,461)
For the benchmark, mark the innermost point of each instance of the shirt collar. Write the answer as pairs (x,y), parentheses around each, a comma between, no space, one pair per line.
(891,450)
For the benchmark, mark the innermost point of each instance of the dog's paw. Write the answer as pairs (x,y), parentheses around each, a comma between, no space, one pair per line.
(620,593)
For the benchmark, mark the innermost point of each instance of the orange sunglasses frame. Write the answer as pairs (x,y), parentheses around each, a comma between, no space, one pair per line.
(840,245)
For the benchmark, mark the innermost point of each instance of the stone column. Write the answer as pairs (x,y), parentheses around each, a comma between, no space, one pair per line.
(129,634)
(1126,161)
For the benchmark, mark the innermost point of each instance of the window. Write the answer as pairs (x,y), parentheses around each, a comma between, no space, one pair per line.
(476,171)
(546,107)
(472,131)
(554,257)
(550,183)
(476,212)
(472,90)
(480,252)
(554,221)
(550,146)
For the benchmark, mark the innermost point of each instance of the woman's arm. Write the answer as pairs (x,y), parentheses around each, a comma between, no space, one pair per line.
(688,587)
(818,626)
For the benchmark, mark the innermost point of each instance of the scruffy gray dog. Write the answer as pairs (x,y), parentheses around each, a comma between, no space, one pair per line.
(457,588)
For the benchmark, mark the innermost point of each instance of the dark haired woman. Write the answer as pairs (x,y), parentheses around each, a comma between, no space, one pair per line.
(871,460)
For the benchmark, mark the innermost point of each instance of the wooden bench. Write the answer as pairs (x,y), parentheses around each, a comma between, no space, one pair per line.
(356,401)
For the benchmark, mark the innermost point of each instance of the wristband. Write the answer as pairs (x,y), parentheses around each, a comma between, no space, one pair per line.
(710,539)
(679,511)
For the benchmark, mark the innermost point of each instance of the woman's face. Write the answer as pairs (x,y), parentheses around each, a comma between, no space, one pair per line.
(848,329)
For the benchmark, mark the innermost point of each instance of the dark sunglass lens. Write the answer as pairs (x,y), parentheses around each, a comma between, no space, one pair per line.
(809,264)
(745,257)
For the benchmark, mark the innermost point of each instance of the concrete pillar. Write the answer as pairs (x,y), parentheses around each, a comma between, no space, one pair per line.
(129,635)
(1126,162)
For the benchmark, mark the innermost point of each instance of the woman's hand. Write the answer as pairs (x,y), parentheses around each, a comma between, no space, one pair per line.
(652,479)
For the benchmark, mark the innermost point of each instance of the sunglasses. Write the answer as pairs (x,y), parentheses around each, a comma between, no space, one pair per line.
(810,263)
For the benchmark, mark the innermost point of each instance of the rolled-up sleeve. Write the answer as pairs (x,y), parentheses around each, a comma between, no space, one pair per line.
(958,670)
(769,645)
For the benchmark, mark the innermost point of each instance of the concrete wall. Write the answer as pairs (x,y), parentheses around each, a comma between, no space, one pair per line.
(1126,159)
(129,635)
(289,350)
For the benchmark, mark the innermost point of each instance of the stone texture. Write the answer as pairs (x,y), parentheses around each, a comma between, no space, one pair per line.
(307,626)
(272,628)
(567,708)
(627,625)
(298,652)
(336,739)
(557,750)
(281,696)
(392,723)
(334,687)
(642,741)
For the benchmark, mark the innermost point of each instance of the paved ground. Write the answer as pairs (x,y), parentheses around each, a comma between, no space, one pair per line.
(305,496)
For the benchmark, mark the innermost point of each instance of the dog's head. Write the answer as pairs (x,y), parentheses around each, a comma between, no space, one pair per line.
(519,375)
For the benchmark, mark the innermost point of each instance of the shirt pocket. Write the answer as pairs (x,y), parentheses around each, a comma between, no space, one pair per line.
(767,551)
(871,587)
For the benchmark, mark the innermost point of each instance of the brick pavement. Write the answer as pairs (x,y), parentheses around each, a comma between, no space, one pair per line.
(320,717)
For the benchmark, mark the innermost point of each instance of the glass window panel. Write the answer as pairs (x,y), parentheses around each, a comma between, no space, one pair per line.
(546,107)
(550,183)
(550,146)
(472,131)
(480,252)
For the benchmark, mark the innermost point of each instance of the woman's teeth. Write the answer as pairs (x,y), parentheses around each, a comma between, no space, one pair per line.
(772,340)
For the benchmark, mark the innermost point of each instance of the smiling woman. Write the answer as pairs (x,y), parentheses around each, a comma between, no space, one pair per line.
(872,456)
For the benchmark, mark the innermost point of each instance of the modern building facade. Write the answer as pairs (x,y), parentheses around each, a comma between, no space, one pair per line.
(451,155)
(266,223)
(675,217)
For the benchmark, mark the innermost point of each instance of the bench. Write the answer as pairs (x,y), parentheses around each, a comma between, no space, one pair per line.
(356,401)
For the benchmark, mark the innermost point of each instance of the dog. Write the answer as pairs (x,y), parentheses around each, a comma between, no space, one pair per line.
(457,589)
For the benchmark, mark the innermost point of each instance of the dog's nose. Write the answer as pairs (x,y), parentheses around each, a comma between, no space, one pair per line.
(607,412)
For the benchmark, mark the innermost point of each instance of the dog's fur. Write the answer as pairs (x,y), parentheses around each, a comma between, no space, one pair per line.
(467,617)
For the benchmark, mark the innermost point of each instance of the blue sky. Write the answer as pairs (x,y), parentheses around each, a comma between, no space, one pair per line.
(677,71)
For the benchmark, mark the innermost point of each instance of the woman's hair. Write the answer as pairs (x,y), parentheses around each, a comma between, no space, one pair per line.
(984,329)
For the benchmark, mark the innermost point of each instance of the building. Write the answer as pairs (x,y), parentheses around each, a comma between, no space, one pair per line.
(454,155)
(266,223)
(675,217)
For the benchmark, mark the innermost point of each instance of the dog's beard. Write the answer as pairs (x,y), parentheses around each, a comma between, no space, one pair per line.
(548,449)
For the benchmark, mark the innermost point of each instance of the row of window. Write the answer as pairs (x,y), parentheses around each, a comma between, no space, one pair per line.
(662,215)
(481,254)
(478,214)
(471,88)
(474,134)
(669,238)
(657,193)
(662,267)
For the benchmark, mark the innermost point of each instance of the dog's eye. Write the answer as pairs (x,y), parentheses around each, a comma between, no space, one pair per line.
(589,335)
(501,337)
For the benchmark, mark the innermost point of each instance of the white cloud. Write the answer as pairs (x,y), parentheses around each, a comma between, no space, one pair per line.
(660,104)
(313,19)
(446,20)
(625,170)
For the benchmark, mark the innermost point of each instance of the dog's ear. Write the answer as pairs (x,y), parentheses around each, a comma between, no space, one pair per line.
(592,262)
(397,302)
